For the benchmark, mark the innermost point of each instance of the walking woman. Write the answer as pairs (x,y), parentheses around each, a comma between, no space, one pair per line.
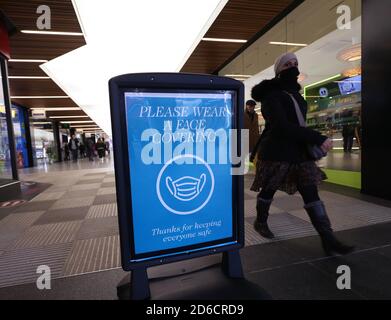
(284,162)
(101,148)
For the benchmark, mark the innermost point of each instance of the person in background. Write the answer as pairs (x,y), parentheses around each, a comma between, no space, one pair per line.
(90,149)
(358,131)
(251,123)
(101,148)
(19,159)
(82,150)
(74,147)
(66,152)
(348,131)
(283,160)
(107,143)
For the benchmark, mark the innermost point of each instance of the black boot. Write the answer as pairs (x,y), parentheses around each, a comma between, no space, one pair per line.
(260,223)
(320,220)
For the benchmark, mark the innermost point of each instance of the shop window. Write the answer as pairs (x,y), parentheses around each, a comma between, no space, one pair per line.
(5,155)
(330,65)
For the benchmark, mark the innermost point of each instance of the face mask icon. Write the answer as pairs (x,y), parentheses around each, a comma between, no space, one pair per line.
(186,188)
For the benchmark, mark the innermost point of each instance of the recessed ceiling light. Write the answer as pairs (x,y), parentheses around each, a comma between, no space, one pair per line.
(84,125)
(350,54)
(28,77)
(86,121)
(279,43)
(238,75)
(59,117)
(28,60)
(354,58)
(58,109)
(225,40)
(54,33)
(355,71)
(86,128)
(39,97)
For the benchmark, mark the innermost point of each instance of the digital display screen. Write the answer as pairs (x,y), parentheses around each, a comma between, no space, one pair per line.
(179,146)
(350,85)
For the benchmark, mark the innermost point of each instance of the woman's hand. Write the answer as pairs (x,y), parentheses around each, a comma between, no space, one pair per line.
(327,145)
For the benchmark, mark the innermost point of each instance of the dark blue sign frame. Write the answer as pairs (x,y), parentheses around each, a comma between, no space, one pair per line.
(168,82)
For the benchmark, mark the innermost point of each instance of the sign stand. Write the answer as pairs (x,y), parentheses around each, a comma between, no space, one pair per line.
(136,287)
(195,198)
(232,265)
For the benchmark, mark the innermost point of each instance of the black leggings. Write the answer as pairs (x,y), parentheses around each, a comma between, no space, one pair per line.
(308,193)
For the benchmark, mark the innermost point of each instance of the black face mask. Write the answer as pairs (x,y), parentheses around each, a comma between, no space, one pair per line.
(290,75)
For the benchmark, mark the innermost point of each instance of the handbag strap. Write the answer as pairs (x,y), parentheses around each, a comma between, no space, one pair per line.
(299,115)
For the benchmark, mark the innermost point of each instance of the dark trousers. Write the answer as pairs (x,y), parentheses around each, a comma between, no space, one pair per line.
(74,155)
(348,143)
(101,153)
(90,154)
(308,193)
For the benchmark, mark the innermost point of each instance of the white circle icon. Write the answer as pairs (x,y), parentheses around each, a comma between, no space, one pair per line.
(323,92)
(185,189)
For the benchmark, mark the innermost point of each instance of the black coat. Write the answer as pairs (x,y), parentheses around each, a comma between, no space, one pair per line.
(76,142)
(283,139)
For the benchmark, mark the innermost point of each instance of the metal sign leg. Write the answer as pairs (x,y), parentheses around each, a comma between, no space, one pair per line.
(232,264)
(136,287)
(139,285)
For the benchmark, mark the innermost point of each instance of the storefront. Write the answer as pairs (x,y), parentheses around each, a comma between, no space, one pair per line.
(330,63)
(20,121)
(45,147)
(5,154)
(9,184)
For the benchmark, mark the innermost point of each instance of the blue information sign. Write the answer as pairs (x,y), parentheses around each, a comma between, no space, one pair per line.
(174,136)
(180,169)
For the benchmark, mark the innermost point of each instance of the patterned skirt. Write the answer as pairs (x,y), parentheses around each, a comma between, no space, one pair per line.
(285,176)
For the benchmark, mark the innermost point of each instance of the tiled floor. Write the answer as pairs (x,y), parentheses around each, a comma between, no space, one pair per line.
(342,161)
(72,226)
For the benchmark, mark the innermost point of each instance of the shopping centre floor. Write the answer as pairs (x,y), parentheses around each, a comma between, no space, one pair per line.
(72,228)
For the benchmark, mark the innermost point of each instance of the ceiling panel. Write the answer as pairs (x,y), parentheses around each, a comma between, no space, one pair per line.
(24,16)
(36,87)
(65,113)
(46,103)
(29,46)
(240,19)
(37,46)
(23,69)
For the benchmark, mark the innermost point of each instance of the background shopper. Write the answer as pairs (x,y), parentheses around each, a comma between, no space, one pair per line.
(284,162)
(74,147)
(348,132)
(107,144)
(251,123)
(90,149)
(82,150)
(66,152)
(101,148)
